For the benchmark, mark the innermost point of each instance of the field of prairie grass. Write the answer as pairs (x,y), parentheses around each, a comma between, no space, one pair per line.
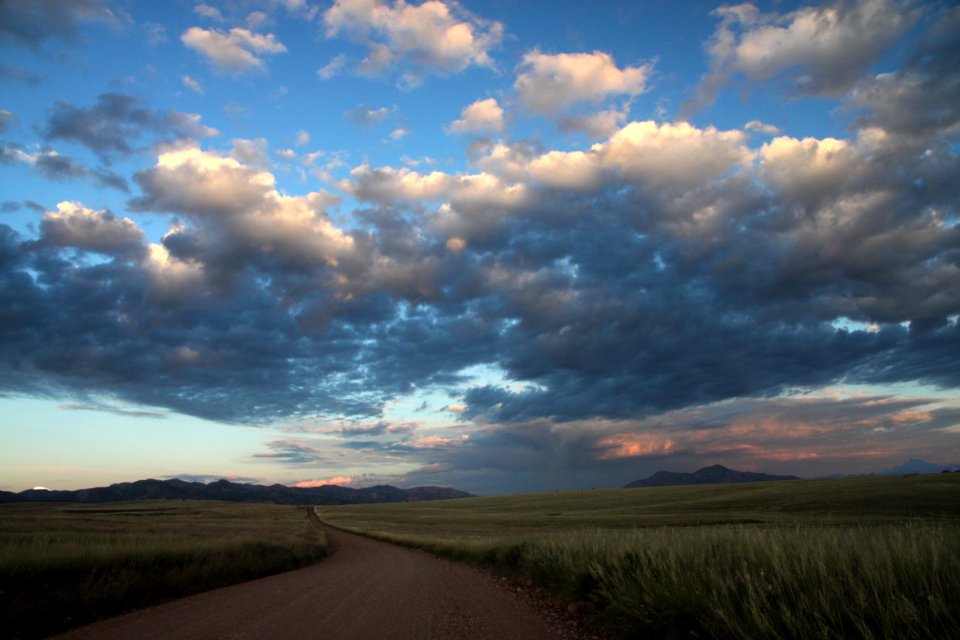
(848,558)
(62,565)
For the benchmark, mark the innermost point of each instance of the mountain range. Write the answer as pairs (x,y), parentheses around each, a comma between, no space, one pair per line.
(176,489)
(914,465)
(715,474)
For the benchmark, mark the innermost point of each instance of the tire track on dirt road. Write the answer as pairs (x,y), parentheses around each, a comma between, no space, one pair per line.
(365,590)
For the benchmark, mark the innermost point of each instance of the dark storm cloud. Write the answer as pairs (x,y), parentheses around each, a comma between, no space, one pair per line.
(29,23)
(116,123)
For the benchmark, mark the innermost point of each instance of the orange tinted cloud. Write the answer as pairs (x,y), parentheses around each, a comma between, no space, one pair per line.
(633,445)
(306,484)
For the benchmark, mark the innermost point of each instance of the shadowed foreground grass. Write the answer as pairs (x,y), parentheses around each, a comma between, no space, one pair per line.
(856,558)
(64,565)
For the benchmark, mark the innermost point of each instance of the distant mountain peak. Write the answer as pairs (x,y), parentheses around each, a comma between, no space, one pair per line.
(714,474)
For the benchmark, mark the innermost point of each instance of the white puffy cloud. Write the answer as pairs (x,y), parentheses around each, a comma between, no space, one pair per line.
(667,157)
(549,83)
(479,117)
(804,170)
(189,180)
(674,155)
(239,204)
(573,170)
(434,36)
(470,205)
(237,51)
(387,184)
(170,279)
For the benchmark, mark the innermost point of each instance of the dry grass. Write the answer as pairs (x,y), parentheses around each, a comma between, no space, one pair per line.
(857,558)
(63,565)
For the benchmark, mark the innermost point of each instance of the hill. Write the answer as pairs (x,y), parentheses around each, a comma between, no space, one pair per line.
(715,474)
(914,465)
(176,489)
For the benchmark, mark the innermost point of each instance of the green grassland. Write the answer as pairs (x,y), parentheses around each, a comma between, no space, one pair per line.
(63,565)
(846,558)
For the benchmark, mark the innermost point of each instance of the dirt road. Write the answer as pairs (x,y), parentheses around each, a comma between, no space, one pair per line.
(366,590)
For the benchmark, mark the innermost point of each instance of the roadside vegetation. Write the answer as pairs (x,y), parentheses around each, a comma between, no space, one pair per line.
(64,565)
(849,558)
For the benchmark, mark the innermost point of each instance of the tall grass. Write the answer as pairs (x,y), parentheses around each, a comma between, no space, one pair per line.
(889,581)
(873,569)
(62,566)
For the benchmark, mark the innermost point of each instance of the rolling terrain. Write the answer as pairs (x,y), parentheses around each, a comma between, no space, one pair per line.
(225,490)
(868,557)
(714,474)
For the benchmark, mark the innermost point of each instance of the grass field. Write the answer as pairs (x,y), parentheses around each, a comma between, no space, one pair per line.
(849,558)
(63,565)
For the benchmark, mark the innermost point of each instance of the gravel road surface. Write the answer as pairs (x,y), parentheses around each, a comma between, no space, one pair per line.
(366,590)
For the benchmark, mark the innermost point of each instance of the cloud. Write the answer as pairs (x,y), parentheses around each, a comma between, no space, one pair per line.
(96,406)
(659,268)
(482,116)
(239,213)
(919,100)
(762,127)
(250,152)
(432,37)
(192,84)
(551,83)
(204,10)
(291,453)
(31,23)
(238,51)
(17,74)
(116,122)
(820,50)
(332,68)
(73,225)
(6,119)
(54,166)
(598,125)
(334,480)
(364,116)
(207,479)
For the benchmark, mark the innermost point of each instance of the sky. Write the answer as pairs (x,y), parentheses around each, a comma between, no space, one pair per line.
(497,245)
